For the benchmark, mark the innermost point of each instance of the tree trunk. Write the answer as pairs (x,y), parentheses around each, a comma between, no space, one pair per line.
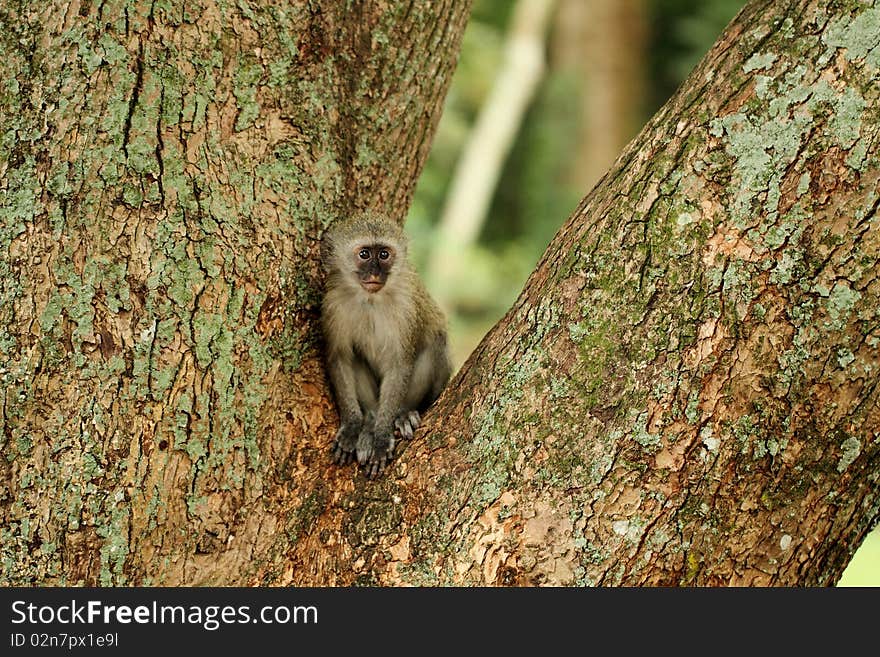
(167,169)
(601,43)
(684,393)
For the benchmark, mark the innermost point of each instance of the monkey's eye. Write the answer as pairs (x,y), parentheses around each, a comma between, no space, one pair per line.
(364,254)
(384,255)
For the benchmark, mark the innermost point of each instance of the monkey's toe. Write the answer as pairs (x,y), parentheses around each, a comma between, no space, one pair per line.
(364,448)
(341,455)
(402,428)
(406,424)
(375,468)
(374,452)
(345,442)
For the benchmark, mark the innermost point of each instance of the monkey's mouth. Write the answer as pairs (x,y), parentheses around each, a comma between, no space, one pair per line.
(372,286)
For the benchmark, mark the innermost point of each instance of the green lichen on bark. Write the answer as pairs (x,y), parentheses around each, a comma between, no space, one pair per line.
(858,36)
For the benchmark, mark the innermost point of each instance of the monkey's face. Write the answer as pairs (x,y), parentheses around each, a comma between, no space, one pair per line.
(373,263)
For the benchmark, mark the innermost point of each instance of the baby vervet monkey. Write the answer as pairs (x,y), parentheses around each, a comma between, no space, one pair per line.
(385,338)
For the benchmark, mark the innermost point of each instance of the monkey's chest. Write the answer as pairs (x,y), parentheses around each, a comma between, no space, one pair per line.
(377,339)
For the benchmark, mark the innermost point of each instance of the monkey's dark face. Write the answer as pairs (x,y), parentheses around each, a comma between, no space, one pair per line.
(374,262)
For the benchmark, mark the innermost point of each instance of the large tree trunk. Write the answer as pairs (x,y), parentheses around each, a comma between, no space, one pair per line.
(166,170)
(685,392)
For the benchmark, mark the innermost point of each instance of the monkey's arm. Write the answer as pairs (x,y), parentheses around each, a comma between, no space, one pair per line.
(350,415)
(375,446)
(441,370)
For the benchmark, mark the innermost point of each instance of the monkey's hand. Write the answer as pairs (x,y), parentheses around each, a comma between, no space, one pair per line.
(374,450)
(346,442)
(406,423)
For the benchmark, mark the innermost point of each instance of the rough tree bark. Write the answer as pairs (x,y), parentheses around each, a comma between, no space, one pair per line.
(685,392)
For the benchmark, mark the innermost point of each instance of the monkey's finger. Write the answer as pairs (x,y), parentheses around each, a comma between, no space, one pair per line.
(378,465)
(413,419)
(341,456)
(406,424)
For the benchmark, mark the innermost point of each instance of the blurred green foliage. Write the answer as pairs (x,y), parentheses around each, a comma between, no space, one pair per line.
(682,32)
(532,199)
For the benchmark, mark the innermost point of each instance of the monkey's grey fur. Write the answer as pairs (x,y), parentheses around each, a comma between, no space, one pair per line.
(386,342)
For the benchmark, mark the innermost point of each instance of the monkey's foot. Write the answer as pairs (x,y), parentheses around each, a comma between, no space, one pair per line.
(345,444)
(374,452)
(406,424)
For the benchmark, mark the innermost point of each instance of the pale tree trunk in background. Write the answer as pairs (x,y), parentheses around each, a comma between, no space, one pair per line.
(601,44)
(482,159)
(165,173)
(685,392)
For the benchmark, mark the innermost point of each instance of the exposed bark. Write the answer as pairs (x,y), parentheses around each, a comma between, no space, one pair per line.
(685,392)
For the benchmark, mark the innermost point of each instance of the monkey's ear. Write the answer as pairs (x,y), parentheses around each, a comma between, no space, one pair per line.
(326,250)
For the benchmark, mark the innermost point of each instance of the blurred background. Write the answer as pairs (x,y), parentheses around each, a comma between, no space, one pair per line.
(546,95)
